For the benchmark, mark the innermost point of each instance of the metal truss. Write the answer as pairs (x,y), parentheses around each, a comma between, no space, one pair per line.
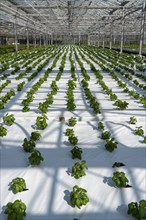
(71,17)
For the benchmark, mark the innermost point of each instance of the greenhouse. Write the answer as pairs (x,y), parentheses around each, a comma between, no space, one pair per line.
(73,109)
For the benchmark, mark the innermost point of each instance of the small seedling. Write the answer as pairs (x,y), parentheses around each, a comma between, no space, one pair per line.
(111,144)
(9,119)
(78,170)
(132,120)
(28,145)
(73,140)
(139,131)
(16,210)
(100,126)
(72,122)
(120,179)
(3,131)
(35,136)
(138,211)
(78,197)
(69,132)
(105,135)
(35,158)
(76,153)
(118,164)
(41,122)
(18,185)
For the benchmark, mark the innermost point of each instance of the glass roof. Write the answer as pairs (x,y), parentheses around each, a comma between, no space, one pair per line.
(70,17)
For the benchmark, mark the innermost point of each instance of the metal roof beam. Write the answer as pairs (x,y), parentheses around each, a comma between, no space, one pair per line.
(79,7)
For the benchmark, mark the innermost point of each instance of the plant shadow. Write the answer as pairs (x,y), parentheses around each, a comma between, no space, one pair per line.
(67,197)
(108,181)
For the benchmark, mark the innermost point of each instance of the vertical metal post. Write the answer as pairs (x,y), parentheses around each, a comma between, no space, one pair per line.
(79,38)
(40,40)
(47,39)
(111,33)
(44,39)
(142,28)
(98,37)
(16,36)
(103,40)
(74,40)
(34,37)
(88,39)
(51,38)
(122,31)
(27,38)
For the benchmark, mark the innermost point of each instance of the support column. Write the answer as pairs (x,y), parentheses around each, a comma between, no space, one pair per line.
(44,39)
(98,37)
(103,41)
(111,34)
(40,40)
(47,39)
(88,39)
(79,38)
(16,36)
(142,28)
(34,38)
(27,38)
(122,31)
(51,39)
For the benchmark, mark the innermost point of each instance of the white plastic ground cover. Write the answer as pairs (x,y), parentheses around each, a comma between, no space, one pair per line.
(51,183)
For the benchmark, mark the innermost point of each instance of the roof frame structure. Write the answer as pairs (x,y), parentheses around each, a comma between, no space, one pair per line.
(69,16)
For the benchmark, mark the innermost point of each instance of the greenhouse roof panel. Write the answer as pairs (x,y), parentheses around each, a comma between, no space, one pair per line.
(71,15)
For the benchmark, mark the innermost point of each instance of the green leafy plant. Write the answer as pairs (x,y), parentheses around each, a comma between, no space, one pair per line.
(9,119)
(122,105)
(139,131)
(18,185)
(105,135)
(1,105)
(35,136)
(25,108)
(76,153)
(78,197)
(138,211)
(69,132)
(16,210)
(3,131)
(100,126)
(20,86)
(35,158)
(28,145)
(41,122)
(144,140)
(70,104)
(118,164)
(120,179)
(43,107)
(72,122)
(73,139)
(49,99)
(78,170)
(132,120)
(111,144)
